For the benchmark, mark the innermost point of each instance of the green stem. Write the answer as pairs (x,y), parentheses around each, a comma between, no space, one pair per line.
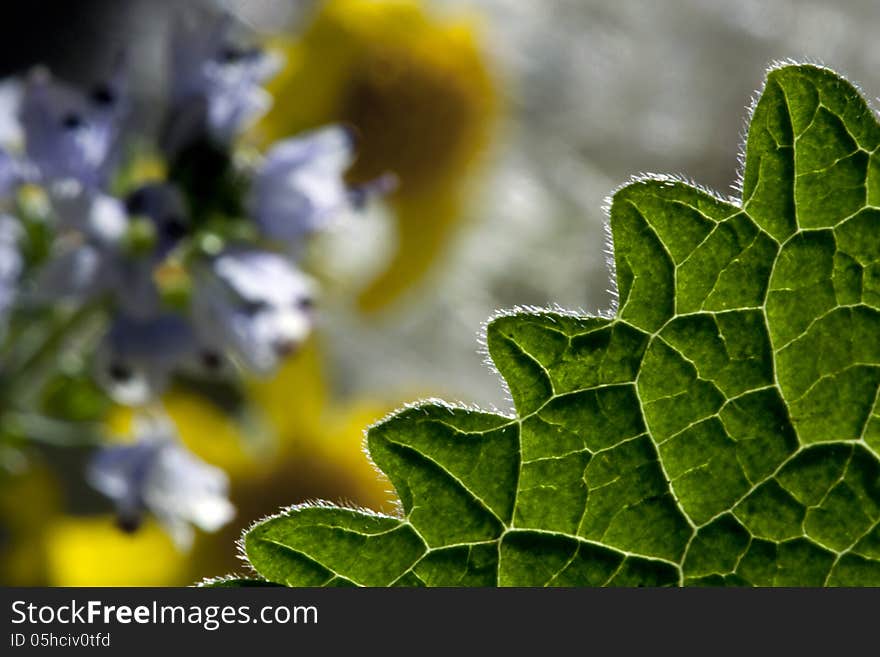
(49,431)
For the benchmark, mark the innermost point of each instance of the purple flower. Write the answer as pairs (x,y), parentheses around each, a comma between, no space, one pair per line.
(253,305)
(250,307)
(90,259)
(157,474)
(299,189)
(163,205)
(138,356)
(70,134)
(215,82)
(95,216)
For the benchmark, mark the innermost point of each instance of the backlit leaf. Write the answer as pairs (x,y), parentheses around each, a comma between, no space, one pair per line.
(722,427)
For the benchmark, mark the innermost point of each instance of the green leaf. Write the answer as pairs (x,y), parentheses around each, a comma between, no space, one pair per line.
(234,582)
(722,428)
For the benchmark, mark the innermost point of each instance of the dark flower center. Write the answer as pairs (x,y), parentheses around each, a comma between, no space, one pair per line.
(136,203)
(211,360)
(72,121)
(104,95)
(129,522)
(231,54)
(119,372)
(174,227)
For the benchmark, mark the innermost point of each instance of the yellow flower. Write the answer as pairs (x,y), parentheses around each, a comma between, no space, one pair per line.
(421,99)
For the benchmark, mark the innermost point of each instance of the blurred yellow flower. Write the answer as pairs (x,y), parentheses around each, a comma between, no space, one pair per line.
(421,99)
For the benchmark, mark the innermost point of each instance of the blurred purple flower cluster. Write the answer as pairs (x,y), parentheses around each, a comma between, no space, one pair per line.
(197,270)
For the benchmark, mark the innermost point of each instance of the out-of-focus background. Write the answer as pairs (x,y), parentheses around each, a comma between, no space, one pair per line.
(508,123)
